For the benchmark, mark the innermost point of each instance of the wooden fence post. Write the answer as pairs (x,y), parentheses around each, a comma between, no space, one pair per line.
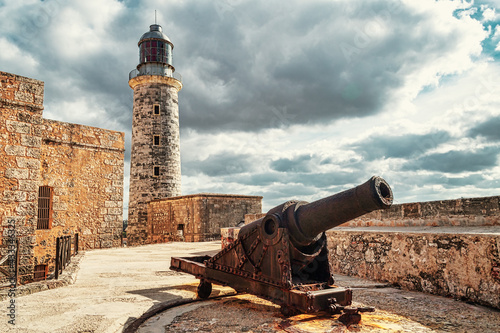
(17,262)
(68,240)
(76,244)
(57,257)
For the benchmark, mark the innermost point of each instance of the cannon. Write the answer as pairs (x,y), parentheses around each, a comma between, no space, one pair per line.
(283,256)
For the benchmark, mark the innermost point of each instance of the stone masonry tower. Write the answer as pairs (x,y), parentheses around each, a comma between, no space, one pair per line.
(155,165)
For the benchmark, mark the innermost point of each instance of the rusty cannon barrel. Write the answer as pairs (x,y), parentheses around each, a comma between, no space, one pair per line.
(307,221)
(284,255)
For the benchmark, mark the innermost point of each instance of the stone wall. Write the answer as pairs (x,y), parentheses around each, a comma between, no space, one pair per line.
(444,262)
(461,212)
(448,247)
(84,166)
(21,107)
(249,218)
(199,216)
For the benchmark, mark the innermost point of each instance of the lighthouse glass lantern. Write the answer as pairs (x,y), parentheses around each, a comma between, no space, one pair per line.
(155,53)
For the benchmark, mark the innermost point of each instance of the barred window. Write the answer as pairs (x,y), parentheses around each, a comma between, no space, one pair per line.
(44,207)
(40,272)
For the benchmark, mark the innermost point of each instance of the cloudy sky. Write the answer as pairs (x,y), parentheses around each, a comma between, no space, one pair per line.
(287,99)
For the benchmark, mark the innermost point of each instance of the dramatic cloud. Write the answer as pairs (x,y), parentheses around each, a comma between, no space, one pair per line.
(297,164)
(489,129)
(323,60)
(403,146)
(456,161)
(220,164)
(286,99)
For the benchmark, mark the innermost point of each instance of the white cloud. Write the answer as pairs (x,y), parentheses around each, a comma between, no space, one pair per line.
(489,14)
(84,27)
(13,57)
(496,34)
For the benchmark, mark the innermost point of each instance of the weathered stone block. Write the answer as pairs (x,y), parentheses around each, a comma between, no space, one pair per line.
(15,150)
(29,163)
(28,185)
(60,206)
(115,211)
(31,141)
(110,218)
(116,197)
(17,173)
(106,243)
(110,189)
(24,97)
(118,183)
(26,209)
(34,174)
(110,204)
(18,127)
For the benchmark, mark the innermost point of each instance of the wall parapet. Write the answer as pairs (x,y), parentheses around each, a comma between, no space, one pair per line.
(21,91)
(464,212)
(60,132)
(209,195)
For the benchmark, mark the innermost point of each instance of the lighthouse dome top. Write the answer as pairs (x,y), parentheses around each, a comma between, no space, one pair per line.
(155,32)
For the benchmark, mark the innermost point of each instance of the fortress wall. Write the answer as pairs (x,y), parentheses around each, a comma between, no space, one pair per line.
(456,262)
(197,217)
(84,166)
(449,248)
(21,107)
(462,212)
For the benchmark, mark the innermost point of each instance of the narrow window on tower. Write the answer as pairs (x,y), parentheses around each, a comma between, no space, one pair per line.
(156,108)
(156,140)
(156,171)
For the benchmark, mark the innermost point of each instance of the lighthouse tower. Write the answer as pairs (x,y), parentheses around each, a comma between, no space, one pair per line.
(155,164)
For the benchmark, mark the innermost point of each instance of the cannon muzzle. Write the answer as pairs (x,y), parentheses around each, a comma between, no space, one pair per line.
(307,221)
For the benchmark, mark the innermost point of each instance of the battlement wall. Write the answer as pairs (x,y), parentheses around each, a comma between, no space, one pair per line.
(468,212)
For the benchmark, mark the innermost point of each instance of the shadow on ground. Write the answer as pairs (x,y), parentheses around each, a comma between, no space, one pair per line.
(165,300)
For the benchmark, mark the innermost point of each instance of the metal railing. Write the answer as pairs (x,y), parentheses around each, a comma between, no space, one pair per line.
(135,73)
(63,253)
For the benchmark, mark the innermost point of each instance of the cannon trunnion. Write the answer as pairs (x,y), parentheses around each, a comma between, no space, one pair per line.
(284,257)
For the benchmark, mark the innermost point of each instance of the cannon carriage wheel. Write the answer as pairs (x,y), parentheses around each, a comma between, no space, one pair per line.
(204,289)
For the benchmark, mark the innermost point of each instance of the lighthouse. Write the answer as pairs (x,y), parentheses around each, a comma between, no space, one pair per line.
(155,164)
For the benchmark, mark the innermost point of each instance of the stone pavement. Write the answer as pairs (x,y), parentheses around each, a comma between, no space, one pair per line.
(396,311)
(116,286)
(113,287)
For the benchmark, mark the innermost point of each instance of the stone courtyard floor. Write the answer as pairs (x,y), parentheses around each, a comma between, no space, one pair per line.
(116,286)
(113,286)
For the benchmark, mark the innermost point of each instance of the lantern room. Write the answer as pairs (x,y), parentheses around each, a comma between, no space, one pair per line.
(155,54)
(155,46)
